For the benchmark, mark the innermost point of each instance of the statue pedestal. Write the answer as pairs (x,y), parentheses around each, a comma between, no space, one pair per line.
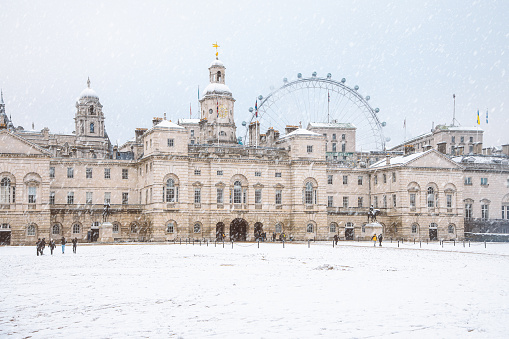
(106,232)
(373,228)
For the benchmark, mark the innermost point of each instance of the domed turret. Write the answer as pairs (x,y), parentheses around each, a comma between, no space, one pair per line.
(89,118)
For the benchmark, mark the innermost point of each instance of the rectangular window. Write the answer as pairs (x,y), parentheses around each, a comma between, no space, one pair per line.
(258,174)
(52,198)
(359,180)
(88,198)
(279,197)
(394,200)
(468,211)
(330,201)
(125,173)
(125,198)
(278,174)
(359,201)
(219,195)
(310,148)
(345,179)
(334,147)
(453,139)
(192,141)
(484,211)
(88,172)
(197,172)
(412,200)
(107,198)
(219,172)
(329,179)
(52,172)
(462,139)
(192,133)
(385,178)
(258,196)
(333,136)
(32,197)
(170,142)
(484,181)
(471,139)
(375,201)
(375,179)
(197,195)
(468,181)
(393,176)
(343,136)
(385,201)
(345,202)
(107,173)
(449,200)
(70,172)
(70,198)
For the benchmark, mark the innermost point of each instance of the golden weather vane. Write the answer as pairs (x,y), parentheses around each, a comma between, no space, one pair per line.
(216,46)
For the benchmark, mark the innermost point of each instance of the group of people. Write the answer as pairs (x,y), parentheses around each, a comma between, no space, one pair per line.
(41,244)
(374,238)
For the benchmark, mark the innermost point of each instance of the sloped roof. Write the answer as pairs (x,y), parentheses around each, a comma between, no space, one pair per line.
(301,131)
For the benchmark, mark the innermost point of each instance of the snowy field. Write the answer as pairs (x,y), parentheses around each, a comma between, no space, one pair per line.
(183,291)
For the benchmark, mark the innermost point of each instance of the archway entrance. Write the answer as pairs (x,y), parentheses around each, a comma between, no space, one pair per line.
(238,230)
(219,231)
(433,231)
(258,231)
(5,237)
(349,233)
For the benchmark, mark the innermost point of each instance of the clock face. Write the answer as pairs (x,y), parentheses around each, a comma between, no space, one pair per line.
(223,111)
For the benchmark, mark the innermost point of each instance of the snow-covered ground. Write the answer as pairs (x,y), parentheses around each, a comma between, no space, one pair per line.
(167,290)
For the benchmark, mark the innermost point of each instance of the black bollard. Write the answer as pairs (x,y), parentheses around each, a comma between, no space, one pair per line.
(420,244)
(180,240)
(308,243)
(232,243)
(454,240)
(463,242)
(442,244)
(469,243)
(391,240)
(215,243)
(223,243)
(484,243)
(398,243)
(426,241)
(332,243)
(258,243)
(283,243)
(414,241)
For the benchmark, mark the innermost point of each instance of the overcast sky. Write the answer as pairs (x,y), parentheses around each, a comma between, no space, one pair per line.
(148,57)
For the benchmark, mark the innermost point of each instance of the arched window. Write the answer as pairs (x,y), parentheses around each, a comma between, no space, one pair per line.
(279,227)
(197,228)
(414,228)
(91,110)
(332,228)
(55,229)
(431,197)
(5,191)
(310,228)
(309,193)
(171,191)
(170,227)
(92,127)
(116,227)
(134,228)
(76,229)
(450,229)
(237,192)
(218,76)
(31,230)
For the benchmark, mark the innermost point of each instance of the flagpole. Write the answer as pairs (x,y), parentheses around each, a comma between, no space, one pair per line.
(328,104)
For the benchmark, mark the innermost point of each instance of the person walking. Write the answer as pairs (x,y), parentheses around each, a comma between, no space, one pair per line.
(62,241)
(74,245)
(38,246)
(336,239)
(52,245)
(374,239)
(43,245)
(380,237)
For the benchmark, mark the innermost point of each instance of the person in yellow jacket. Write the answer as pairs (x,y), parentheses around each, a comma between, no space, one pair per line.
(374,239)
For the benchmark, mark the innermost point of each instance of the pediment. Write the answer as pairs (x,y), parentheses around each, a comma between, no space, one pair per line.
(433,159)
(13,144)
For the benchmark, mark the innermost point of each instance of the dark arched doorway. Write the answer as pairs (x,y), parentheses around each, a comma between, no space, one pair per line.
(219,231)
(258,231)
(238,230)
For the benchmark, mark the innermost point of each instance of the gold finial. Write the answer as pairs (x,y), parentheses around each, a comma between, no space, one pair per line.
(216,46)
(88,82)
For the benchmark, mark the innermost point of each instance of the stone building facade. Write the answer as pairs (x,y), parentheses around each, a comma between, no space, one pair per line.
(191,179)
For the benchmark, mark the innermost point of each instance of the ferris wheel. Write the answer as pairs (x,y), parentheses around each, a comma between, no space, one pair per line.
(320,100)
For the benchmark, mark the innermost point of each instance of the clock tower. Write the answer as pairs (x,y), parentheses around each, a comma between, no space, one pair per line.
(216,108)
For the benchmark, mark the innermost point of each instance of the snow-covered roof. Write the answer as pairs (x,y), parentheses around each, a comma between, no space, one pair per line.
(168,124)
(399,160)
(88,93)
(481,159)
(217,63)
(301,131)
(331,125)
(188,121)
(459,128)
(216,88)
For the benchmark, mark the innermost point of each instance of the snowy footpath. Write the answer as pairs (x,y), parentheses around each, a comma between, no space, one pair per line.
(353,290)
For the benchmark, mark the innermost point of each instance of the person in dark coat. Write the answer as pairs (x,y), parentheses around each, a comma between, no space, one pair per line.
(43,245)
(380,237)
(336,239)
(62,241)
(38,246)
(52,245)
(74,244)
